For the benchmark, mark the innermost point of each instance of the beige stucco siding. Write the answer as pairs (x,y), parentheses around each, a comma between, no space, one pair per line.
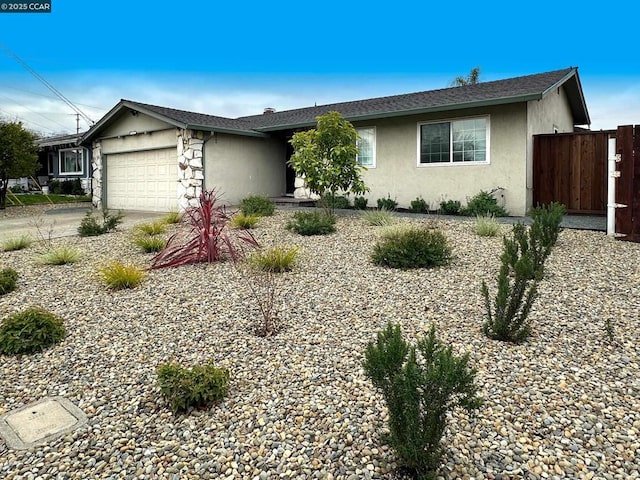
(239,166)
(543,116)
(398,174)
(126,122)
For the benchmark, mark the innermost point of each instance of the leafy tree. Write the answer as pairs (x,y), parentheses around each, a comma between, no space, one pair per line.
(471,79)
(18,155)
(326,157)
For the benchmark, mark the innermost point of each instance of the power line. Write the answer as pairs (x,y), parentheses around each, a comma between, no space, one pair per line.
(36,113)
(50,96)
(48,85)
(10,114)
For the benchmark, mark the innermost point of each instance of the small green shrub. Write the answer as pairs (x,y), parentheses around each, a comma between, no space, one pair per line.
(421,385)
(31,330)
(387,203)
(199,386)
(360,203)
(379,218)
(484,203)
(91,227)
(486,226)
(16,189)
(152,228)
(419,205)
(150,243)
(275,259)
(333,202)
(66,187)
(172,218)
(412,247)
(257,205)
(312,223)
(508,319)
(118,276)
(62,255)
(17,243)
(8,280)
(450,207)
(546,223)
(244,222)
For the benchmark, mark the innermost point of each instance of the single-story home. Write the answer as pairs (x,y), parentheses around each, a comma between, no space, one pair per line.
(440,144)
(61,158)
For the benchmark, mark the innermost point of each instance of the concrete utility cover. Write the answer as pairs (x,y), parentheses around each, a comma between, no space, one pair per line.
(40,422)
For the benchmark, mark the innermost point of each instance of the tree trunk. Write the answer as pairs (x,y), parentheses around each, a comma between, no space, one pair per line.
(4,182)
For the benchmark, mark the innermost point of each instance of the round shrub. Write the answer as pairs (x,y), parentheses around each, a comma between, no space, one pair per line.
(255,205)
(8,279)
(312,223)
(412,247)
(31,330)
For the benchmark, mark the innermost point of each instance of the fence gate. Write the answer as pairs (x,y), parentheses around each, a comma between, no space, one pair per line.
(571,168)
(628,183)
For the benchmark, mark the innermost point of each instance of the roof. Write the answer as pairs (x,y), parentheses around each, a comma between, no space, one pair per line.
(499,92)
(512,90)
(56,140)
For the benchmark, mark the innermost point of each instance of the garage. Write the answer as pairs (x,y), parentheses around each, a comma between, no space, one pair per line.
(142,180)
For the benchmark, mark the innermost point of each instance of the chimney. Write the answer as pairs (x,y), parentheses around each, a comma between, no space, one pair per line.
(269,111)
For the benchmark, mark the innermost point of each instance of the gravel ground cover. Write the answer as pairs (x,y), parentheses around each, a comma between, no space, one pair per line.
(566,404)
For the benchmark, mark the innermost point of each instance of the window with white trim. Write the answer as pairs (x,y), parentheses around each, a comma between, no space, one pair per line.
(71,161)
(456,141)
(366,147)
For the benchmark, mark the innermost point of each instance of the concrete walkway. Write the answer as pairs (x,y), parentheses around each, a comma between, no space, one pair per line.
(61,222)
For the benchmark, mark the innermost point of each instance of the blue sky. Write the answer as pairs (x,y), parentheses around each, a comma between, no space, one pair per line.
(236,58)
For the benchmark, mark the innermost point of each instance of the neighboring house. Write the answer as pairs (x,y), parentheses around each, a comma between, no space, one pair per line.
(63,158)
(440,144)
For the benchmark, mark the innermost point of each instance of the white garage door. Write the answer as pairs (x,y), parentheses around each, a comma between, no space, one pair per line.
(144,181)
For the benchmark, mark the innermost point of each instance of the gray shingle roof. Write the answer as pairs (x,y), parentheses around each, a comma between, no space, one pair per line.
(190,119)
(485,93)
(511,90)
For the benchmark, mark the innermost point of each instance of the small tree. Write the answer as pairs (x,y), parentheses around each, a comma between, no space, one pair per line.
(18,155)
(326,157)
(471,79)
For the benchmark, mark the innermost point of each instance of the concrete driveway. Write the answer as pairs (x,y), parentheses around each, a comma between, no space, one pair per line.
(60,221)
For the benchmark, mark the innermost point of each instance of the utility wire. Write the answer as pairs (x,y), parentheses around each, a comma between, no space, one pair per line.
(47,84)
(10,114)
(50,96)
(36,113)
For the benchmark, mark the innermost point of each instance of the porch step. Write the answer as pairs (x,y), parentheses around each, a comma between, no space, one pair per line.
(293,202)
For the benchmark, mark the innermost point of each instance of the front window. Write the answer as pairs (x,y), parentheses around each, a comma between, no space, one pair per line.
(71,161)
(457,141)
(366,147)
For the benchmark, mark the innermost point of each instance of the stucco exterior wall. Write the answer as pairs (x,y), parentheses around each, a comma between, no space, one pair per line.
(239,166)
(127,122)
(140,141)
(545,116)
(398,174)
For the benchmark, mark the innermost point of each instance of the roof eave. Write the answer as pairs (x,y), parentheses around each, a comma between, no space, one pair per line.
(230,131)
(415,111)
(575,95)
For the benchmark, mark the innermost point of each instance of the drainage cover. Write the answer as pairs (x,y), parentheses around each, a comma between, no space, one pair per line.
(40,422)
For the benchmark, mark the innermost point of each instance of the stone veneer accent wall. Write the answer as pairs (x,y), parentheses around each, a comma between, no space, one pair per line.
(190,167)
(96,175)
(301,190)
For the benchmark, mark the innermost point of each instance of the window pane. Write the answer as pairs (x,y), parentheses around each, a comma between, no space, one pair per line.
(434,142)
(71,161)
(366,146)
(471,140)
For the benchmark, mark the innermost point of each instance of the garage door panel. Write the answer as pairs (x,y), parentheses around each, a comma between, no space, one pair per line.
(142,180)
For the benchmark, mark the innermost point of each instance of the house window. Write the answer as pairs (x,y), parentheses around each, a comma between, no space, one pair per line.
(71,161)
(366,147)
(456,141)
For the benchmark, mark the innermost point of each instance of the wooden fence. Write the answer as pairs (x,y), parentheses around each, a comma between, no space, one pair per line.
(628,183)
(571,168)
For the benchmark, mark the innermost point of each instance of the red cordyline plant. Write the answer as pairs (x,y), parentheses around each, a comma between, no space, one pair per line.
(209,239)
